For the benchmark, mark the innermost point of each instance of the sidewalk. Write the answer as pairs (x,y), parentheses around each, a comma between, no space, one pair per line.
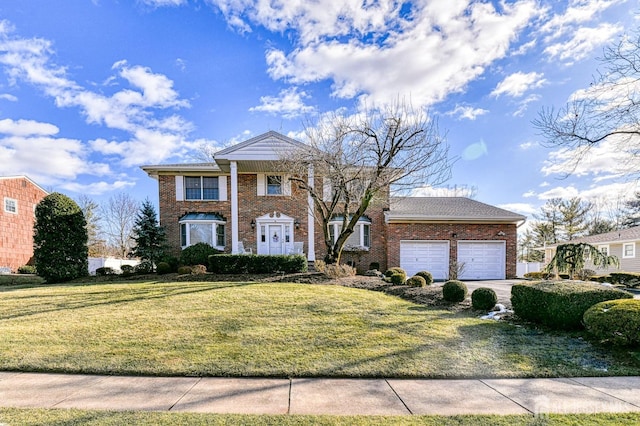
(321,396)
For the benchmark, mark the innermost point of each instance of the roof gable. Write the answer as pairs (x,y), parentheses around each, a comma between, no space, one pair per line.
(267,146)
(28,179)
(619,236)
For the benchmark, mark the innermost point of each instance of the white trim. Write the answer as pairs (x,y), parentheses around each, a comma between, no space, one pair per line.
(222,188)
(179,188)
(604,246)
(503,259)
(214,231)
(633,251)
(234,207)
(326,189)
(311,223)
(286,185)
(15,205)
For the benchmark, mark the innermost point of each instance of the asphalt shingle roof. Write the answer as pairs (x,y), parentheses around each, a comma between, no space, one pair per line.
(628,234)
(447,208)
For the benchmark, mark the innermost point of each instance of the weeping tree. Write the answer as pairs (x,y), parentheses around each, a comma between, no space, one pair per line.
(356,161)
(571,258)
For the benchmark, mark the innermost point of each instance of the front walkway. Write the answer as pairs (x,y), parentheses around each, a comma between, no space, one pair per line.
(321,396)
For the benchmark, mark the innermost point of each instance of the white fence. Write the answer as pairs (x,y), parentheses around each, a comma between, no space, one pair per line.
(109,262)
(524,267)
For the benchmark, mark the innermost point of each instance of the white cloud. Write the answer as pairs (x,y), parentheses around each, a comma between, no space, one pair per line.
(27,128)
(518,83)
(97,188)
(559,192)
(529,194)
(289,103)
(524,208)
(528,145)
(444,191)
(582,43)
(596,192)
(164,3)
(468,112)
(578,12)
(8,97)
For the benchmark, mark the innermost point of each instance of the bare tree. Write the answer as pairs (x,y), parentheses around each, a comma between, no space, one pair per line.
(118,217)
(608,111)
(91,211)
(361,158)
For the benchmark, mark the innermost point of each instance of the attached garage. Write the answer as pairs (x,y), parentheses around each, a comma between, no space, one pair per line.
(432,256)
(483,260)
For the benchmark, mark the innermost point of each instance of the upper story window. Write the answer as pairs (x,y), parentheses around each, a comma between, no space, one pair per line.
(604,250)
(274,185)
(629,250)
(201,188)
(10,205)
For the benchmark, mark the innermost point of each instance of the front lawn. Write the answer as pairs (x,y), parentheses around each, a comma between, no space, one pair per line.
(274,329)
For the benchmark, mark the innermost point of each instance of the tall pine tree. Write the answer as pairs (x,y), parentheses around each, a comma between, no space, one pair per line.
(149,237)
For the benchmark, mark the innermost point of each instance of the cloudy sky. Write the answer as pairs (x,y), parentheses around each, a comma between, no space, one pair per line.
(92,89)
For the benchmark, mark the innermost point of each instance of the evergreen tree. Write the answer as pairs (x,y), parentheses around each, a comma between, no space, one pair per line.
(60,239)
(632,212)
(148,235)
(574,214)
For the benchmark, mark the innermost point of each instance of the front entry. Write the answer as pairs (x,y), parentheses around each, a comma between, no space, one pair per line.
(275,234)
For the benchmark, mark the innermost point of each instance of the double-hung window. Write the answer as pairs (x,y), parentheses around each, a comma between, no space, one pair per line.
(629,250)
(359,240)
(10,205)
(274,185)
(201,188)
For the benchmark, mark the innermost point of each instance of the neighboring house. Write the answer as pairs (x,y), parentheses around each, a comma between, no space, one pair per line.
(624,244)
(243,201)
(19,196)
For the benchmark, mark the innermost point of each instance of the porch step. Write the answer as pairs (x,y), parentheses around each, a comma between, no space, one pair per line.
(311,266)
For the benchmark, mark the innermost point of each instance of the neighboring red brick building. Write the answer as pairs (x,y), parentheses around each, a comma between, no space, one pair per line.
(244,201)
(19,196)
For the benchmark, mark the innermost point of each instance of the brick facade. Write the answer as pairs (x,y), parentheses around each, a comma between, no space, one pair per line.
(453,232)
(16,229)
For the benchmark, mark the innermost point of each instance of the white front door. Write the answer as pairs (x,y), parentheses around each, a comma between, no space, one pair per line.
(275,234)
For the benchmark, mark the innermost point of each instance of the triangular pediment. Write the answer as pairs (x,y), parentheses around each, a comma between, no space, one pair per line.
(268,146)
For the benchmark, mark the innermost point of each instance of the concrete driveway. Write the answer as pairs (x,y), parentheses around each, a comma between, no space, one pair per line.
(501,287)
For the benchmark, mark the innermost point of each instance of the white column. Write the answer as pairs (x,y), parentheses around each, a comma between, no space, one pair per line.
(234,207)
(311,241)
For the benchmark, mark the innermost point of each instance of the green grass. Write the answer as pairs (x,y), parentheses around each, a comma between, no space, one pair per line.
(276,330)
(26,417)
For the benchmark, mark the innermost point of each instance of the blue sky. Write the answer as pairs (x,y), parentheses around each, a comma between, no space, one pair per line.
(91,90)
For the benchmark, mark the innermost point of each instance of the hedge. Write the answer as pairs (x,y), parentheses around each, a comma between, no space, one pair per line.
(256,264)
(560,304)
(628,279)
(615,321)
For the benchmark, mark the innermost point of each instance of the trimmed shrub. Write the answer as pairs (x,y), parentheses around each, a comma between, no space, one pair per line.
(454,291)
(483,298)
(163,268)
(538,275)
(397,278)
(184,270)
(60,250)
(127,270)
(615,321)
(105,270)
(144,267)
(27,269)
(198,269)
(428,278)
(396,270)
(257,264)
(584,274)
(416,281)
(198,254)
(560,304)
(335,270)
(627,279)
(173,262)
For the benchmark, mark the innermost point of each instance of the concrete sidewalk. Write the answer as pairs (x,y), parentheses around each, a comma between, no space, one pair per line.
(321,396)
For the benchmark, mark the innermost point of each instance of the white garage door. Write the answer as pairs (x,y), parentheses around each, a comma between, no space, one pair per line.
(483,260)
(432,256)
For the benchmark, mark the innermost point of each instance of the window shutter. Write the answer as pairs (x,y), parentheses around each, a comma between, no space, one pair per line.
(179,188)
(222,188)
(326,189)
(261,184)
(286,185)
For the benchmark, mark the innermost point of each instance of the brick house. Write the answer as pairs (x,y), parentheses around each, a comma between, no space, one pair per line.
(19,196)
(243,201)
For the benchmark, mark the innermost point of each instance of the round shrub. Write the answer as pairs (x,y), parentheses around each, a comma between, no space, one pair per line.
(127,270)
(144,267)
(615,321)
(197,254)
(27,269)
(428,278)
(198,269)
(105,270)
(397,278)
(483,299)
(184,270)
(454,291)
(163,268)
(416,281)
(396,270)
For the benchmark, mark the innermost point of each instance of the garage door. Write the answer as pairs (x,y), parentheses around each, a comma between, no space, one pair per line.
(432,256)
(483,260)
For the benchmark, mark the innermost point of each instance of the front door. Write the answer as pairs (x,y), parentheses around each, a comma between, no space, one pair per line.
(276,239)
